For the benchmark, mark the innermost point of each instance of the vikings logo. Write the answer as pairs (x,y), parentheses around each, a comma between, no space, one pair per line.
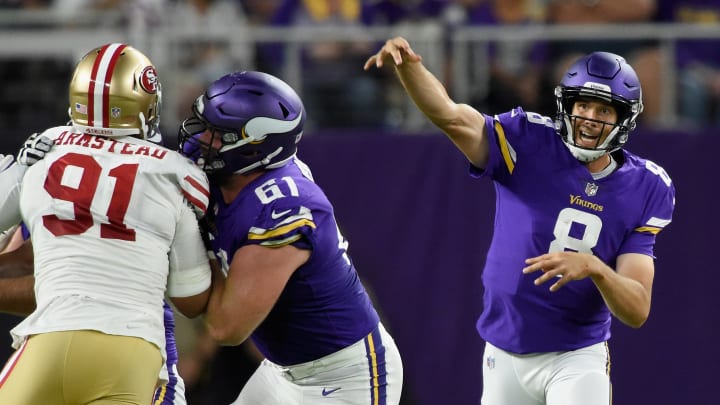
(149,80)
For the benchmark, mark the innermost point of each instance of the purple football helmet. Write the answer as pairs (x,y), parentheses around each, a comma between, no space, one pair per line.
(257,117)
(608,77)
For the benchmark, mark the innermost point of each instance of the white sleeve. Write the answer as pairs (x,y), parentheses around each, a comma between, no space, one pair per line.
(189,268)
(10,181)
(196,189)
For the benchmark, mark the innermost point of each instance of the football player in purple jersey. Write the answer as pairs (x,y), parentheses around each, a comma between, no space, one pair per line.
(286,281)
(575,225)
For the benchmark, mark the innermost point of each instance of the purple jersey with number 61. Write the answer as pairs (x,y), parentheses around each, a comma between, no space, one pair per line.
(324,306)
(547,201)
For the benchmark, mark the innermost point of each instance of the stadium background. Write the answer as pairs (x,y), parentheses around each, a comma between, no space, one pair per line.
(418,227)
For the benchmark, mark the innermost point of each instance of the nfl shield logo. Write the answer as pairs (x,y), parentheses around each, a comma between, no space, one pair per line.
(591,189)
(115,112)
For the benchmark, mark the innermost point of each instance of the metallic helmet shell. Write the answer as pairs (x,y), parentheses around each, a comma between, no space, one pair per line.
(115,91)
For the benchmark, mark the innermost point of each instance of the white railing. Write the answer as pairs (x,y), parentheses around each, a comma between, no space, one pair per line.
(32,34)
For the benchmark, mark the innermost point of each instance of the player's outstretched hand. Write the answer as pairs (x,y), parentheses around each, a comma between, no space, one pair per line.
(34,149)
(396,50)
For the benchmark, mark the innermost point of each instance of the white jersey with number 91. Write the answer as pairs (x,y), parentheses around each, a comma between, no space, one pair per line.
(112,229)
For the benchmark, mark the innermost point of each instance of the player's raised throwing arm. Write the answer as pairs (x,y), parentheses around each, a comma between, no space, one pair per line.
(463,124)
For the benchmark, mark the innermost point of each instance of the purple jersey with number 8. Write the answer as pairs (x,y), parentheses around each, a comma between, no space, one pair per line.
(547,201)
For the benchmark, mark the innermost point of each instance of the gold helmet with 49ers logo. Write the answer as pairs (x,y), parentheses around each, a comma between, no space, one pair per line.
(115,92)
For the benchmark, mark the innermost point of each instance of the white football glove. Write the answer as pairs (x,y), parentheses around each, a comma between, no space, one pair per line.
(6,161)
(34,149)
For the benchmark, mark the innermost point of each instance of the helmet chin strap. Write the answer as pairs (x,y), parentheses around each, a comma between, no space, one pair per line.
(264,162)
(584,155)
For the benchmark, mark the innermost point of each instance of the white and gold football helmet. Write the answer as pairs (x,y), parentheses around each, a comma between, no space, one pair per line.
(115,92)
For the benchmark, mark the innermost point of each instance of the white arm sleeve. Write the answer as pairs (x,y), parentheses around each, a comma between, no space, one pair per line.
(189,268)
(10,181)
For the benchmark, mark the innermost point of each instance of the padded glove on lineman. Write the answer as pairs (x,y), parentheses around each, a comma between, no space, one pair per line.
(34,149)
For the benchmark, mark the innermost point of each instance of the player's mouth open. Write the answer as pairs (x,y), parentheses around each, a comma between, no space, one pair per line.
(587,138)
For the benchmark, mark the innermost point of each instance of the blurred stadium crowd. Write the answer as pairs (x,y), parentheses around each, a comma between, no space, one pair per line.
(319,46)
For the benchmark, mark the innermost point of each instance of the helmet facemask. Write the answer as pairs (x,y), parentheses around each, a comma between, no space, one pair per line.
(151,131)
(203,153)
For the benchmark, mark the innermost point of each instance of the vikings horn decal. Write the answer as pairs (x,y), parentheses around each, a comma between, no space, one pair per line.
(258,128)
